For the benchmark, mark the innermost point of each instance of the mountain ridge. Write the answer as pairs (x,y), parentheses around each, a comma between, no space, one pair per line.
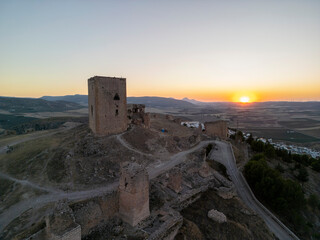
(147,100)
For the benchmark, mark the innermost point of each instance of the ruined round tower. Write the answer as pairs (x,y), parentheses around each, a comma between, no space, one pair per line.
(107,102)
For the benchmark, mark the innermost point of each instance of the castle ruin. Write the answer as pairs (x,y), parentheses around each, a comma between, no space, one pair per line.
(107,102)
(137,115)
(61,225)
(133,193)
(216,129)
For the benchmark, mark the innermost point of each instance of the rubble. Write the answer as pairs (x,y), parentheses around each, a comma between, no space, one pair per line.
(217,216)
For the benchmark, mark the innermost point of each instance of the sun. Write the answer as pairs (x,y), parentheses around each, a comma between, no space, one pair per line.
(244,99)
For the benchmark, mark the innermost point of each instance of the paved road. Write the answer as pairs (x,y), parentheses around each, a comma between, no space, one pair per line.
(37,202)
(224,154)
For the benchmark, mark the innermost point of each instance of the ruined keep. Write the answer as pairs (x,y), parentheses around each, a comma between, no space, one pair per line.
(107,102)
(216,129)
(137,115)
(133,193)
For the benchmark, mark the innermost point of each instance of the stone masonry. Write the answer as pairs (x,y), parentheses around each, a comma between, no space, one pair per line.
(216,129)
(107,102)
(133,193)
(137,115)
(61,224)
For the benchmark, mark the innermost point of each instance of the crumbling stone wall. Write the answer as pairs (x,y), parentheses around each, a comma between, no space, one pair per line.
(137,115)
(133,193)
(61,224)
(90,213)
(217,129)
(107,102)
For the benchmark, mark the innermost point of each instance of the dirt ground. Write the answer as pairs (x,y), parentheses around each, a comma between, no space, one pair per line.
(241,222)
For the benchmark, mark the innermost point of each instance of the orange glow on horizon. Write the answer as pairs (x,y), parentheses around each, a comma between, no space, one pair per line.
(245,99)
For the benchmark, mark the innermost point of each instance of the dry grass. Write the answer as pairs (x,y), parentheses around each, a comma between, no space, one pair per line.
(6,140)
(27,155)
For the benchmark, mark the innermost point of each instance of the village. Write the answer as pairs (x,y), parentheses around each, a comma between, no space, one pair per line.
(278,145)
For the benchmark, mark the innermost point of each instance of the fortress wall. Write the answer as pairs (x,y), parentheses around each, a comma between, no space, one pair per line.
(73,234)
(216,129)
(90,213)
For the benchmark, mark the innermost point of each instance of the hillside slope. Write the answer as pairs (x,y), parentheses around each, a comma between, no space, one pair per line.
(30,105)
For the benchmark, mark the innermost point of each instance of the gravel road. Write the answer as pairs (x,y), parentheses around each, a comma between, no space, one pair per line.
(224,154)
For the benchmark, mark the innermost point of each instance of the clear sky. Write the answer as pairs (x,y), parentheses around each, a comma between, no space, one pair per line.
(207,50)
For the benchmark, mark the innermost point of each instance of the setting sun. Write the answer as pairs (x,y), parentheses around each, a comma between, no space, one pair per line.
(244,99)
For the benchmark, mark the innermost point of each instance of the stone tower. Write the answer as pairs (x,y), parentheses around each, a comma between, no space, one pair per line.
(133,193)
(217,129)
(107,102)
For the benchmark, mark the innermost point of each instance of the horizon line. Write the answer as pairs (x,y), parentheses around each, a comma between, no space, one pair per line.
(174,98)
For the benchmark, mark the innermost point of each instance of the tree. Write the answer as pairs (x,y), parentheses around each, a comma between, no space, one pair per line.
(239,136)
(257,146)
(250,139)
(314,201)
(283,195)
(270,151)
(316,165)
(303,175)
(280,168)
(305,160)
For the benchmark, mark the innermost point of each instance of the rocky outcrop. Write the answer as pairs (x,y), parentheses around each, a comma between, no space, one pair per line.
(226,193)
(217,216)
(205,170)
(171,223)
(61,224)
(175,180)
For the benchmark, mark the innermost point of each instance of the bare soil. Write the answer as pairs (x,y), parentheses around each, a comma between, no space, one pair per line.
(241,222)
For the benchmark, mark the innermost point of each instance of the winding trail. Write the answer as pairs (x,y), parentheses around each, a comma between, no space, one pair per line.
(128,146)
(29,184)
(224,154)
(154,170)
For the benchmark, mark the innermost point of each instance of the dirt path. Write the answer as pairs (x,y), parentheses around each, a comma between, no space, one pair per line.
(128,146)
(224,154)
(29,184)
(37,202)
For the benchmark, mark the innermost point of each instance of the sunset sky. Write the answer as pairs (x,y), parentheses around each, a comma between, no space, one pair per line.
(207,50)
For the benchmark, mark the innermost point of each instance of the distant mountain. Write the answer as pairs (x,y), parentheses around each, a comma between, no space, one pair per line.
(77,98)
(193,101)
(160,102)
(26,105)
